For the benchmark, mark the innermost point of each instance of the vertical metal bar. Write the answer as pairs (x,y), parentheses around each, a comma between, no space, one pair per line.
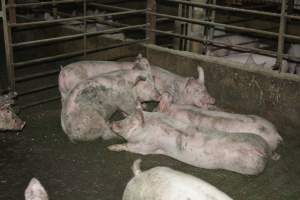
(281,38)
(12,12)
(151,20)
(178,29)
(84,28)
(211,30)
(8,49)
(54,9)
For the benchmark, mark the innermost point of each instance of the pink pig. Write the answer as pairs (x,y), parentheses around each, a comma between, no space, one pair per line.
(222,121)
(157,133)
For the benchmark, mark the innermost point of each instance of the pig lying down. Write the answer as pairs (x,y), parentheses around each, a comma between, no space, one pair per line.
(163,183)
(157,133)
(35,191)
(185,90)
(88,107)
(222,121)
(8,119)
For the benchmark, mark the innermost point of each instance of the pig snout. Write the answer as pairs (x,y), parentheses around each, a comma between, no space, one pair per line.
(116,127)
(205,101)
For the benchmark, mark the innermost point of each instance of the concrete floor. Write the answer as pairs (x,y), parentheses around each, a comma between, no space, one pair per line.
(88,171)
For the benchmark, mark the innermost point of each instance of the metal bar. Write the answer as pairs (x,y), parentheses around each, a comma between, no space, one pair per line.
(40,102)
(84,29)
(12,12)
(76,18)
(205,5)
(47,87)
(37,75)
(151,20)
(73,54)
(109,7)
(282,27)
(41,3)
(211,30)
(202,22)
(1,13)
(69,37)
(8,50)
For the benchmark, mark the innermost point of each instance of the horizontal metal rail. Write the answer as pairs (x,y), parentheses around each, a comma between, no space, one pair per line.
(109,7)
(69,37)
(221,44)
(37,75)
(237,28)
(47,87)
(211,6)
(75,53)
(40,102)
(18,5)
(75,18)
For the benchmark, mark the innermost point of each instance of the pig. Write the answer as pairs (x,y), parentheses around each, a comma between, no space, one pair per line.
(157,133)
(294,67)
(92,102)
(35,191)
(186,90)
(168,184)
(266,62)
(232,40)
(74,73)
(8,119)
(222,121)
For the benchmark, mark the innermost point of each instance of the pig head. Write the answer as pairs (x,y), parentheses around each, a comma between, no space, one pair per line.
(195,92)
(9,120)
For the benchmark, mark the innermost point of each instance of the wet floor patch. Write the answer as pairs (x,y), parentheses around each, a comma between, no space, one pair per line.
(88,171)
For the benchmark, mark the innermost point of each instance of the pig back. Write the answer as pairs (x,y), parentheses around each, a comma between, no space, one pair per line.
(165,183)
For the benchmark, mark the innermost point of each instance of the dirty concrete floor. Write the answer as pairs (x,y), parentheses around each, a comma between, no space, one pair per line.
(88,171)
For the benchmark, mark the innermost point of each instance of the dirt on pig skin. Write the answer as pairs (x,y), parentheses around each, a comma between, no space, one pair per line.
(88,171)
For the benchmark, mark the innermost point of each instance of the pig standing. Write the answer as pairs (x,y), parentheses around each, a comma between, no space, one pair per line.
(8,119)
(156,133)
(164,183)
(92,102)
(35,191)
(222,121)
(266,62)
(186,90)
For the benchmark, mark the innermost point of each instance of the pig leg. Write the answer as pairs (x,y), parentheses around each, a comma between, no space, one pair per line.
(143,149)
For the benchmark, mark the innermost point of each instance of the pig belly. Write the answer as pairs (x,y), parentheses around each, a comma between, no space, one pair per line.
(162,183)
(245,154)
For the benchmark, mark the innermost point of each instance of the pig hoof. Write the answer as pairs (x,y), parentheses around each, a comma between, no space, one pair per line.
(115,147)
(275,156)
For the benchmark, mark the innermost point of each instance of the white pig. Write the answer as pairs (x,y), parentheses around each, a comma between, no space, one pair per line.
(186,90)
(156,133)
(222,121)
(35,191)
(163,183)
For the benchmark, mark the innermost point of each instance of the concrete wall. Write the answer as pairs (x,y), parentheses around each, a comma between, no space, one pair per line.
(253,90)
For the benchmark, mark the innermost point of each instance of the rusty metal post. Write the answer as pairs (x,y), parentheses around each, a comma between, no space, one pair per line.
(12,12)
(8,49)
(151,21)
(281,37)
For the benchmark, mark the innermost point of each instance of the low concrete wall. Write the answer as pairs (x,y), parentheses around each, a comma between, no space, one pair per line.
(252,91)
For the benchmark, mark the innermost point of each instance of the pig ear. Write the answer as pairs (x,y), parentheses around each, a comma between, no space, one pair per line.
(200,74)
(35,190)
(138,79)
(4,106)
(140,56)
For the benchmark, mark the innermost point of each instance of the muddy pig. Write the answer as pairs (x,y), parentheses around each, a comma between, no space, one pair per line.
(222,121)
(157,133)
(183,89)
(35,191)
(186,90)
(168,184)
(8,119)
(92,102)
